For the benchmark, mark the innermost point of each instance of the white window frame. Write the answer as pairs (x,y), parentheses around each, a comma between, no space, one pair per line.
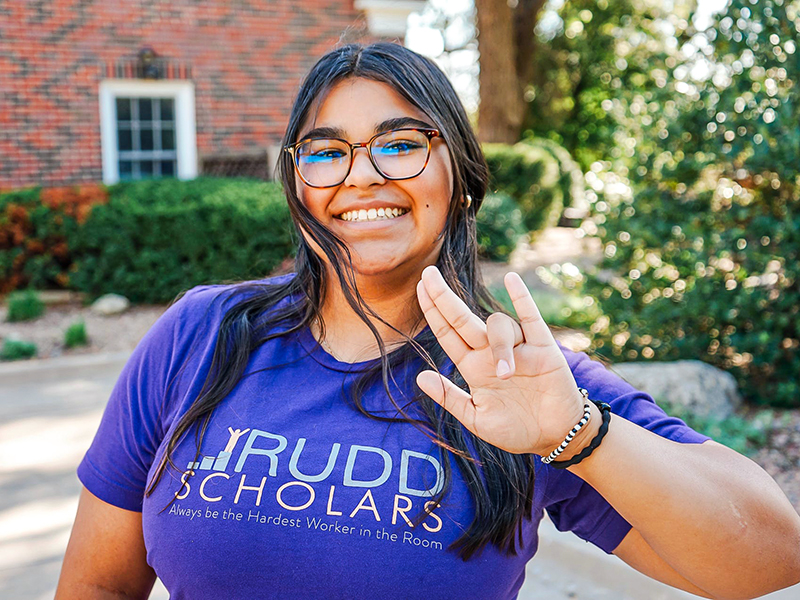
(182,92)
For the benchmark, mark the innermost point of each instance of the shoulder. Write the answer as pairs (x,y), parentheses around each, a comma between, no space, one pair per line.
(209,294)
(204,306)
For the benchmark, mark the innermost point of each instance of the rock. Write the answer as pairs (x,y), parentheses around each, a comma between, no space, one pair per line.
(110,304)
(699,387)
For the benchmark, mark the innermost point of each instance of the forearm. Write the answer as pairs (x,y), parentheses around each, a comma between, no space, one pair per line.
(713,515)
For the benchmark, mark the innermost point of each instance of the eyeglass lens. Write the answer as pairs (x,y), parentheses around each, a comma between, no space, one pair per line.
(398,154)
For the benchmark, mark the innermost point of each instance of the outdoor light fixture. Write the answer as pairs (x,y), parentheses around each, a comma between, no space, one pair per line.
(148,66)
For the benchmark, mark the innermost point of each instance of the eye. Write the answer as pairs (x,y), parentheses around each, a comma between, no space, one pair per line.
(328,154)
(400,147)
(322,152)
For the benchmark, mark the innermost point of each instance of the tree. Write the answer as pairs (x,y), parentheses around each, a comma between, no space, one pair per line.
(591,52)
(507,47)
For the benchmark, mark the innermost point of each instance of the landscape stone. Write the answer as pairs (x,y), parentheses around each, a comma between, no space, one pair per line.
(110,304)
(701,388)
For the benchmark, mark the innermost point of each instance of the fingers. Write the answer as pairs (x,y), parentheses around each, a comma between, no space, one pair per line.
(450,341)
(451,397)
(455,312)
(460,331)
(536,331)
(504,333)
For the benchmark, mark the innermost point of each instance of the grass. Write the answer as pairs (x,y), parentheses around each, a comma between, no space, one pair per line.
(24,306)
(75,335)
(17,350)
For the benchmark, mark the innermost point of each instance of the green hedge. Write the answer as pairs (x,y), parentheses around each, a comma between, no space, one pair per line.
(499,226)
(539,175)
(156,238)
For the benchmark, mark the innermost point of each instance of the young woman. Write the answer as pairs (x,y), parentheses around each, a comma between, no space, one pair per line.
(370,426)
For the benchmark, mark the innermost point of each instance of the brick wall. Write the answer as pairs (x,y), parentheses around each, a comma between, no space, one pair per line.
(245,58)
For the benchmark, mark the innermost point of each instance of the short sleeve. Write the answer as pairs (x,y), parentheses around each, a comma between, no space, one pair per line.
(574,505)
(116,465)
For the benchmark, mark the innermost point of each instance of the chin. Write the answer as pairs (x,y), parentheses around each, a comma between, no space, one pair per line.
(373,268)
(374,264)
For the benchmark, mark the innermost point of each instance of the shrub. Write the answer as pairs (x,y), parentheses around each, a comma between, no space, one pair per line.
(570,182)
(537,175)
(36,229)
(156,238)
(24,306)
(17,349)
(500,226)
(75,335)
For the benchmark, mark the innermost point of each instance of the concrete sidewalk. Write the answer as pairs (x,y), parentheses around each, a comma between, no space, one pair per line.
(49,411)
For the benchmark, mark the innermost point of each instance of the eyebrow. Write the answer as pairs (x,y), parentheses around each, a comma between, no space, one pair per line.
(387,125)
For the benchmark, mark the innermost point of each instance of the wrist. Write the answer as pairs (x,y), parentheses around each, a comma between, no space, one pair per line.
(584,437)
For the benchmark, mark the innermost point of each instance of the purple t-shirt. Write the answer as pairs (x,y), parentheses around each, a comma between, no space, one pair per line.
(296,494)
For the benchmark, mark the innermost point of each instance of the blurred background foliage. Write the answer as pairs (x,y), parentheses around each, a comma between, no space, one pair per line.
(675,133)
(689,139)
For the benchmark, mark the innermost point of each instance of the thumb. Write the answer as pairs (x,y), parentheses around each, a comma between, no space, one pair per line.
(446,393)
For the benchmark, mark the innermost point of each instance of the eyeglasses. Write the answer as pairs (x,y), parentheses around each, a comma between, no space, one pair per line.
(396,154)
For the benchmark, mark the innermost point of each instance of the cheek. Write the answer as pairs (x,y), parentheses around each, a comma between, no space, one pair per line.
(444,175)
(315,200)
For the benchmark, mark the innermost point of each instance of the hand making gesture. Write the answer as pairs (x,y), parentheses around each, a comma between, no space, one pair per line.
(523,397)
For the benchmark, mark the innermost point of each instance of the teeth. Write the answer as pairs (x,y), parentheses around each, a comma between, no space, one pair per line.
(372,214)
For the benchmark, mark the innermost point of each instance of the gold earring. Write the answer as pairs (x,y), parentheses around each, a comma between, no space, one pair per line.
(467,201)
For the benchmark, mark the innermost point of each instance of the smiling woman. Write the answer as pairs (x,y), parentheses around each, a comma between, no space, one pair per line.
(372,425)
(345,190)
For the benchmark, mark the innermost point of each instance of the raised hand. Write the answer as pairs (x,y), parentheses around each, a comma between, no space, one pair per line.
(523,397)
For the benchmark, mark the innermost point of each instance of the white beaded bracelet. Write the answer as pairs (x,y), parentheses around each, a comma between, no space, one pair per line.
(587,414)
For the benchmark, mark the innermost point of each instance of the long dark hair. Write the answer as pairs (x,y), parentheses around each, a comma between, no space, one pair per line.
(500,483)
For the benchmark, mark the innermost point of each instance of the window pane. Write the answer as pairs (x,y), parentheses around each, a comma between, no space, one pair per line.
(125,140)
(168,167)
(125,169)
(145,109)
(168,139)
(146,168)
(123,109)
(167,109)
(147,138)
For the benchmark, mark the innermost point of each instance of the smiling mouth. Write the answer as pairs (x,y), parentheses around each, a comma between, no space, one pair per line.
(372,214)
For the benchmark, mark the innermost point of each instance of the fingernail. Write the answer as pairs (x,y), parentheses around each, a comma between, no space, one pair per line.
(502,368)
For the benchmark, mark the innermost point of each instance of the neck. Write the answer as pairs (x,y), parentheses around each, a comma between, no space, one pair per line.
(348,338)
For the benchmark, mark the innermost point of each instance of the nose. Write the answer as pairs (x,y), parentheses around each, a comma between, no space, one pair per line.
(362,172)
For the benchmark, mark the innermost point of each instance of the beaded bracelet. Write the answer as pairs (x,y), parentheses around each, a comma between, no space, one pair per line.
(587,414)
(606,410)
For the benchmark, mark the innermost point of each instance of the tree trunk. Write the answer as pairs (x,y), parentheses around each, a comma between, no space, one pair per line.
(506,43)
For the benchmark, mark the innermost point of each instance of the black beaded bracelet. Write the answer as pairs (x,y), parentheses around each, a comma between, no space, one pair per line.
(606,410)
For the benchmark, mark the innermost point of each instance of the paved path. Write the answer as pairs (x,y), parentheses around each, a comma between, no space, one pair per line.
(49,411)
